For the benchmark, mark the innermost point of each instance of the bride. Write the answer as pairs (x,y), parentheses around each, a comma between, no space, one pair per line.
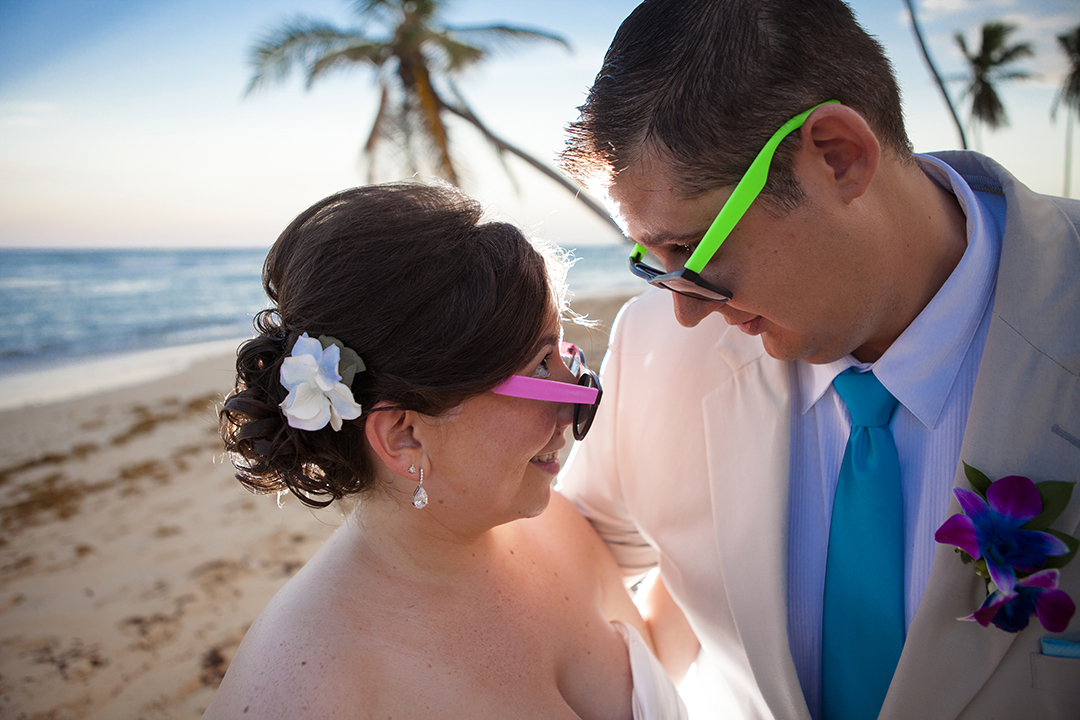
(412,360)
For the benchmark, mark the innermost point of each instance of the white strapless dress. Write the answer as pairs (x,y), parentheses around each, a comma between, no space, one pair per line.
(655,696)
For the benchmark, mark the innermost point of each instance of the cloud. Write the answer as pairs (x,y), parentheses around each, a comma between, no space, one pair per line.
(932,10)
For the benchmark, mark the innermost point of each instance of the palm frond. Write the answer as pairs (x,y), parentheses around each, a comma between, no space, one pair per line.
(497,37)
(297,42)
(378,131)
(1014,53)
(1069,92)
(987,107)
(962,42)
(386,12)
(555,175)
(987,67)
(451,55)
(1011,75)
(414,55)
(363,52)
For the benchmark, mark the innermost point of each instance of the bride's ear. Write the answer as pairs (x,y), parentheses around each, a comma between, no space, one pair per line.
(392,434)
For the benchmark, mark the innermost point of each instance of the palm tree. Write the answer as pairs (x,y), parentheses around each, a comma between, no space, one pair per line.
(934,72)
(414,57)
(988,67)
(1069,95)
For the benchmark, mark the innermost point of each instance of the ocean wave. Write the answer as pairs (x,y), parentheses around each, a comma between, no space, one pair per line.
(56,305)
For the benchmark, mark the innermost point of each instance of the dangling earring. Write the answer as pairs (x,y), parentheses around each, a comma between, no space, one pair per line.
(419,496)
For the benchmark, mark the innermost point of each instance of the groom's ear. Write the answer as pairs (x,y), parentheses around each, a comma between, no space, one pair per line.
(395,436)
(839,155)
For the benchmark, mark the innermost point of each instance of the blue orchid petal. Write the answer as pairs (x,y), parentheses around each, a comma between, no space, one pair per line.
(971,503)
(959,530)
(993,528)
(1016,498)
(1014,615)
(1004,576)
(1032,547)
(993,602)
(1045,580)
(1055,609)
(1036,595)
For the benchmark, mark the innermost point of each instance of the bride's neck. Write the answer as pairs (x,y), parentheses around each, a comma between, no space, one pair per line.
(414,544)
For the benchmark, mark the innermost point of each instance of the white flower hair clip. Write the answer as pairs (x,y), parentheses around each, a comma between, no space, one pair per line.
(318,392)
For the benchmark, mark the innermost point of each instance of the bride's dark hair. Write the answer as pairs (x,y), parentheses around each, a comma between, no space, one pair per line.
(439,306)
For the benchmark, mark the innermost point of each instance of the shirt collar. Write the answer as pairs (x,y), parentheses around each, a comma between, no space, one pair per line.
(921,366)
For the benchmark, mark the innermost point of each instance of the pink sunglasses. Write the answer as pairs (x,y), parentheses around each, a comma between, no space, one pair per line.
(585,395)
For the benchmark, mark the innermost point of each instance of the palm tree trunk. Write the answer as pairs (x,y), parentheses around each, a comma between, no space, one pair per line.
(430,104)
(1068,147)
(503,146)
(933,70)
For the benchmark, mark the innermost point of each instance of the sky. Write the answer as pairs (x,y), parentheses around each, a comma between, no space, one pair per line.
(124,123)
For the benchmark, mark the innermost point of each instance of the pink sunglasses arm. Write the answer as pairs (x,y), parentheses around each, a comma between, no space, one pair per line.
(541,389)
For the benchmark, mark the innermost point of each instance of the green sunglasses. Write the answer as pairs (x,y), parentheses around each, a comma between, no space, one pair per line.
(688,280)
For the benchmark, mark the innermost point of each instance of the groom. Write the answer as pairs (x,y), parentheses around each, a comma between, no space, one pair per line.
(725,451)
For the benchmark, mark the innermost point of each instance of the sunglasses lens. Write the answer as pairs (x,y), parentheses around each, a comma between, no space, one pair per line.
(584,414)
(684,282)
(693,286)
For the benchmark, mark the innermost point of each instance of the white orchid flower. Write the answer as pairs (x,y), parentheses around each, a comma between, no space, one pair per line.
(316,394)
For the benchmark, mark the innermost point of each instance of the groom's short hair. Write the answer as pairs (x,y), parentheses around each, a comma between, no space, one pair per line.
(705,83)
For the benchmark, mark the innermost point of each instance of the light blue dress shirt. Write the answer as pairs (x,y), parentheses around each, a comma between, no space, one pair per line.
(930,369)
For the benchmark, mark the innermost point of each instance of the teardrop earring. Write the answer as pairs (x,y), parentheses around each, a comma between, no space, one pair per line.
(419,496)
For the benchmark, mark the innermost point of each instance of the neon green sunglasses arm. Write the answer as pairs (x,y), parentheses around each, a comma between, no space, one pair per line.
(745,193)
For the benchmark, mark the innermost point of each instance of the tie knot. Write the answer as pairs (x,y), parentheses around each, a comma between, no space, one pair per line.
(869,403)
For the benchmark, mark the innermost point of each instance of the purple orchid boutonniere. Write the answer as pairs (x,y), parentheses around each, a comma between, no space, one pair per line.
(1005,531)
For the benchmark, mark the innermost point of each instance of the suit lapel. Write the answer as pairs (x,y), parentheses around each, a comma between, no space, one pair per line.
(748,428)
(1020,397)
(965,653)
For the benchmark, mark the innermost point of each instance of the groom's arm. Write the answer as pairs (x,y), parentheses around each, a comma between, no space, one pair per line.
(592,478)
(675,643)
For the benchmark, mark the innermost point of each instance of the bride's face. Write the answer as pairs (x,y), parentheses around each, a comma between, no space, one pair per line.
(494,458)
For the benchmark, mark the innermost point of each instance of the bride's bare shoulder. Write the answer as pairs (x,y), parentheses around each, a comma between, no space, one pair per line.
(306,655)
(562,525)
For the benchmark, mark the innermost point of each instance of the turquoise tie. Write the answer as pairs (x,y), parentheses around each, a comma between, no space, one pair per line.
(863,625)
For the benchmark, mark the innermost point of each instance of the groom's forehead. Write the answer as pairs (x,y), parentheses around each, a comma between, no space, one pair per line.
(647,203)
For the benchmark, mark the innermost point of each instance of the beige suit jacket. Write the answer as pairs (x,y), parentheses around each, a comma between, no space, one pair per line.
(687,465)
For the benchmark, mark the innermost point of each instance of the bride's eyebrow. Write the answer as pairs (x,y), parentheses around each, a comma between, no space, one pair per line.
(543,342)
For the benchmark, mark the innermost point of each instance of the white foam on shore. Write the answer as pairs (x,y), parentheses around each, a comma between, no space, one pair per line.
(81,378)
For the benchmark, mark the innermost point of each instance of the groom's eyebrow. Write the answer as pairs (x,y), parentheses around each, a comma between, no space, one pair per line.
(661,239)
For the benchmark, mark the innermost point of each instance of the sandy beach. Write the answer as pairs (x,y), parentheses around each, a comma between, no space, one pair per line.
(131,561)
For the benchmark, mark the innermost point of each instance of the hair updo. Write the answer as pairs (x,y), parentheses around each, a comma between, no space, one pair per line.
(439,306)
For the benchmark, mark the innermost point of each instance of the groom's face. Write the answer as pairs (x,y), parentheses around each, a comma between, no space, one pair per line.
(797,280)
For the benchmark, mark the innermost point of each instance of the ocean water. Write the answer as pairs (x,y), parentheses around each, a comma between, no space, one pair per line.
(60,307)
